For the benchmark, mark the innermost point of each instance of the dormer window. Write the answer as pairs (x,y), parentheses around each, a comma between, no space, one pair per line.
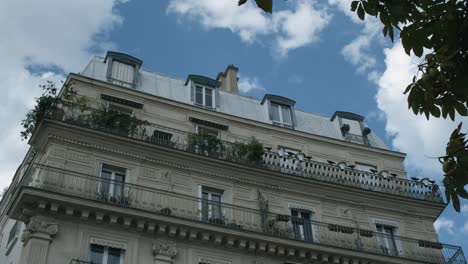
(122,72)
(204,96)
(204,92)
(281,115)
(281,110)
(122,69)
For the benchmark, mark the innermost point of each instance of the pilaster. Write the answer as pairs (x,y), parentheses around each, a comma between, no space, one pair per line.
(164,251)
(36,238)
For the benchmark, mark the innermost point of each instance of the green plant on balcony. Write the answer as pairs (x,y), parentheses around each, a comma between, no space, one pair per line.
(205,144)
(251,152)
(117,122)
(50,105)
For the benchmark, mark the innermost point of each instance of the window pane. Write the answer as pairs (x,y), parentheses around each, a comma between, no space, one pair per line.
(275,112)
(286,114)
(199,95)
(105,182)
(114,256)
(97,254)
(208,97)
(122,71)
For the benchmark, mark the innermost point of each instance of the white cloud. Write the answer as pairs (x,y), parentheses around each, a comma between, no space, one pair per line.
(290,29)
(358,51)
(443,223)
(46,33)
(299,27)
(464,208)
(412,134)
(248,84)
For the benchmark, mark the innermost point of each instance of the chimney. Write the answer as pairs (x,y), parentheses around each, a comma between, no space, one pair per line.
(228,79)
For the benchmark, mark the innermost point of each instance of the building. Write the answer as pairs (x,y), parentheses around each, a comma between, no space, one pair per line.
(154,169)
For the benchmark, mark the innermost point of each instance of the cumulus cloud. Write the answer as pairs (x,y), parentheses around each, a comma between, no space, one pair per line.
(443,223)
(249,84)
(358,51)
(43,40)
(290,29)
(412,134)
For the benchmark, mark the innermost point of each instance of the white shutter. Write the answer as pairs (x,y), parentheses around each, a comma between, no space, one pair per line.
(123,72)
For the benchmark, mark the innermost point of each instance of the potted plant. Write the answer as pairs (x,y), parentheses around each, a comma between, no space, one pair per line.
(205,144)
(166,211)
(345,129)
(251,152)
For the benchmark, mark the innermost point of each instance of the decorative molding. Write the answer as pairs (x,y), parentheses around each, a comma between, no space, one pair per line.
(107,243)
(300,207)
(184,166)
(164,247)
(380,221)
(207,260)
(39,225)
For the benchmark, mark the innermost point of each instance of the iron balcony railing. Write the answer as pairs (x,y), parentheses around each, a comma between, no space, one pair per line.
(297,165)
(236,217)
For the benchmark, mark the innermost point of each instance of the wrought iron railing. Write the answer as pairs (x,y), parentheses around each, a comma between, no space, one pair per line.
(236,217)
(296,165)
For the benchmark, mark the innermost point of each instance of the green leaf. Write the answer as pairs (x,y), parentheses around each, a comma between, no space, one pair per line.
(354,5)
(461,109)
(265,5)
(418,50)
(455,202)
(241,2)
(360,12)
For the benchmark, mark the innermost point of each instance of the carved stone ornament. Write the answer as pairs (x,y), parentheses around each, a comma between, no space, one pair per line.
(39,225)
(163,247)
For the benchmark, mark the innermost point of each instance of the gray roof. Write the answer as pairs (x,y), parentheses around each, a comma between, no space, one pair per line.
(246,107)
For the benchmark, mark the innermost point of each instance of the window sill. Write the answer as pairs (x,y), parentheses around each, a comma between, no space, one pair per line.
(283,125)
(205,107)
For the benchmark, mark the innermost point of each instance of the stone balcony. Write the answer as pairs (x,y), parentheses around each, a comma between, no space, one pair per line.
(74,194)
(298,165)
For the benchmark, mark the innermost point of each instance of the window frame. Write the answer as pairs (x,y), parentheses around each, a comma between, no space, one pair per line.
(209,202)
(388,239)
(105,253)
(203,92)
(199,130)
(281,122)
(112,181)
(302,234)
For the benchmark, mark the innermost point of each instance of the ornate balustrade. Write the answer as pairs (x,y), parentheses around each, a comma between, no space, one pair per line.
(235,217)
(229,151)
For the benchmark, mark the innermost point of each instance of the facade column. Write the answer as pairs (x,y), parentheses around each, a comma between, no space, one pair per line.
(164,251)
(36,238)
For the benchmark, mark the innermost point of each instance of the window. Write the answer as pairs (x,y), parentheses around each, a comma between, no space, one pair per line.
(204,96)
(211,210)
(281,115)
(387,239)
(111,186)
(106,255)
(207,131)
(123,72)
(161,138)
(120,109)
(13,232)
(302,226)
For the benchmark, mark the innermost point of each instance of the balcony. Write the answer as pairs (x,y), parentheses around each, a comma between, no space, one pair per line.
(295,165)
(242,219)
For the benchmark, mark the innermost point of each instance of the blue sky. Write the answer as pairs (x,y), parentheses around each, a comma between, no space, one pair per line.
(317,53)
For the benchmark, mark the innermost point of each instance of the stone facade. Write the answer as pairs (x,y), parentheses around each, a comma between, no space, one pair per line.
(84,193)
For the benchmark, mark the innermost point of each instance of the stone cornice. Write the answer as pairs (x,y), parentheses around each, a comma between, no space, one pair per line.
(206,171)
